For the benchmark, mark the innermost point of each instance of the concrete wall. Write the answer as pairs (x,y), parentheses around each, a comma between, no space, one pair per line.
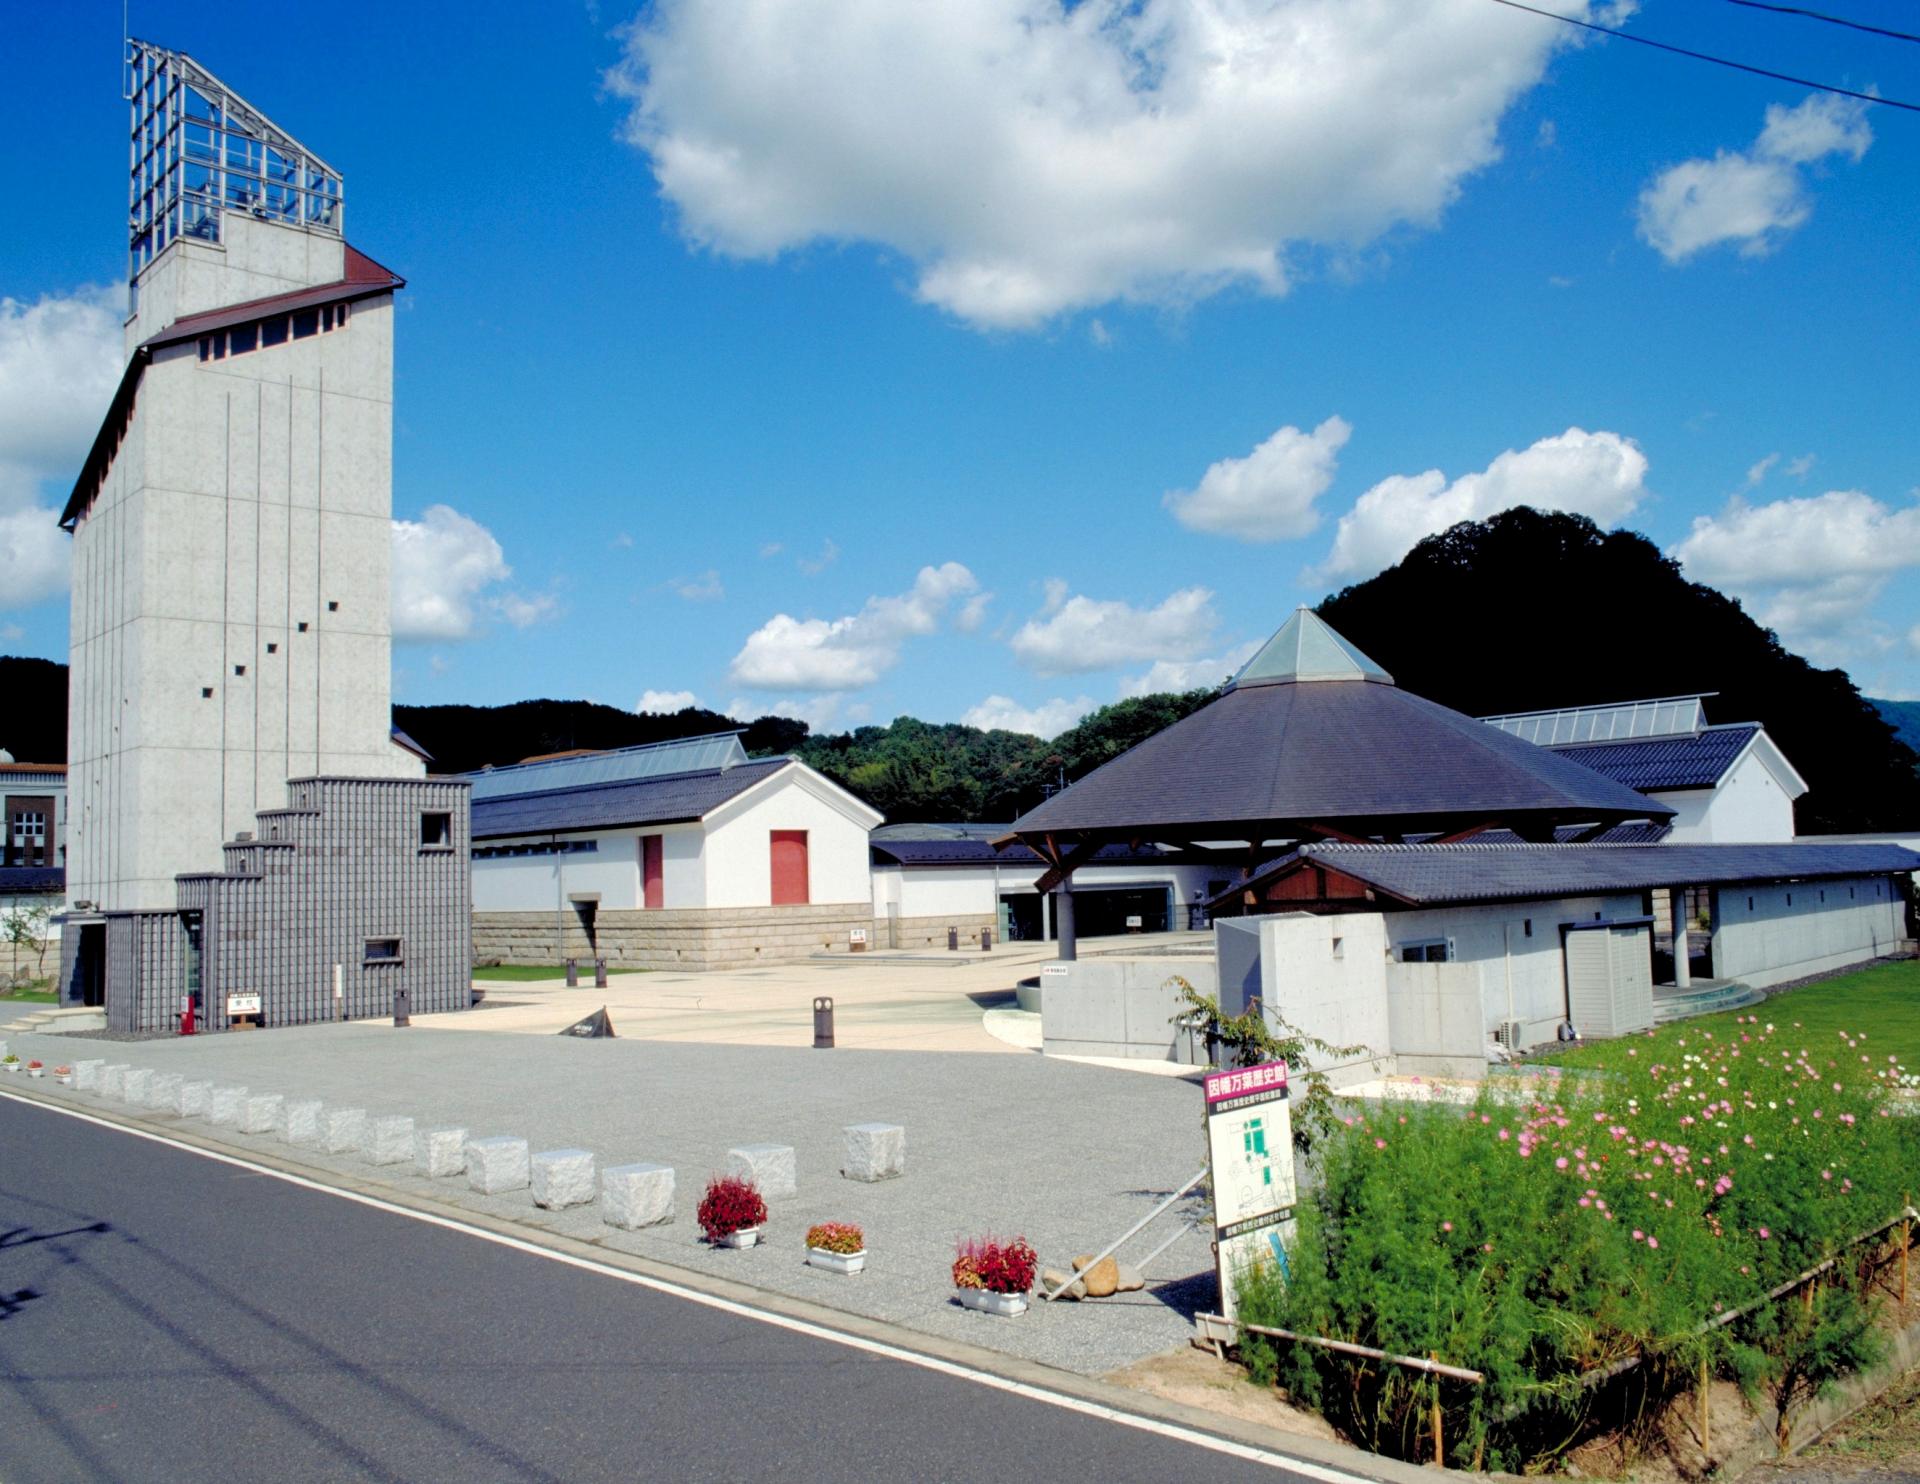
(672,938)
(1766,935)
(249,496)
(1121,1007)
(1435,1020)
(1325,976)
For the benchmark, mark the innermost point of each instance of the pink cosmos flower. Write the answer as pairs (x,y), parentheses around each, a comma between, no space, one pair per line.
(1764,1234)
(1446,1226)
(1653,1241)
(1638,1235)
(1560,1163)
(1379,1143)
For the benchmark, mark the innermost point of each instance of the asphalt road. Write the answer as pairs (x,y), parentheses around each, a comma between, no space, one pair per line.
(164,1316)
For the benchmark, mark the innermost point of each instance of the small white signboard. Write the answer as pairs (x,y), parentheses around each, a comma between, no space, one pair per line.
(857,939)
(1053,971)
(243,1004)
(1134,921)
(1250,1158)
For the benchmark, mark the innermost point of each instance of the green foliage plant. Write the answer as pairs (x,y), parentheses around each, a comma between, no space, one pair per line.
(1559,1231)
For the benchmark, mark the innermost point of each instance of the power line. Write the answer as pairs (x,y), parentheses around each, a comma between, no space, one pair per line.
(1682,51)
(1831,20)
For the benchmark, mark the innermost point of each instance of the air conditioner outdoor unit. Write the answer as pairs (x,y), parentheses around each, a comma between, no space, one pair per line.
(1509,1033)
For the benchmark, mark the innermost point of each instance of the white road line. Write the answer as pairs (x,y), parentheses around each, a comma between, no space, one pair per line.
(745,1311)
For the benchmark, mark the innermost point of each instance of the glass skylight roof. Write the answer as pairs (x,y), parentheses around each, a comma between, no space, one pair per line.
(1307,649)
(1671,716)
(623,765)
(200,149)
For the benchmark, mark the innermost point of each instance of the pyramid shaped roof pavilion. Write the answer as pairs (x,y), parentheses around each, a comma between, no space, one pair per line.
(1307,648)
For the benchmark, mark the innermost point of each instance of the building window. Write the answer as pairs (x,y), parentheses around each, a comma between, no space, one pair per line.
(273,649)
(787,851)
(243,339)
(273,331)
(206,693)
(436,829)
(239,669)
(1749,904)
(206,347)
(1339,947)
(333,607)
(303,626)
(1527,928)
(306,322)
(382,951)
(1433,951)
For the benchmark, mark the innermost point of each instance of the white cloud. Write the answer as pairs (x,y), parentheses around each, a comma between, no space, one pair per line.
(1269,494)
(1047,720)
(665,700)
(60,360)
(973,613)
(1030,157)
(818,712)
(706,588)
(1600,475)
(1811,569)
(1799,468)
(1913,638)
(814,566)
(10,632)
(623,541)
(1078,633)
(1754,197)
(524,610)
(1181,675)
(829,655)
(771,548)
(442,563)
(1758,471)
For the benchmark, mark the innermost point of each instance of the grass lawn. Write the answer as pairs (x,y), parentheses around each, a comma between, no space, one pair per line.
(1881,1003)
(30,996)
(521,973)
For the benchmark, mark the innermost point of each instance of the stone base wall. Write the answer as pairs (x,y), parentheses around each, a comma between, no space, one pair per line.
(673,938)
(931,932)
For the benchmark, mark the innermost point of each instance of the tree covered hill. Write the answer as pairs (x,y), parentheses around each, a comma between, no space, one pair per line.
(1531,610)
(1904,718)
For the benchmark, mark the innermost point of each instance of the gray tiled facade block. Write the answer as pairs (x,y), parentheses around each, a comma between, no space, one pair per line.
(138,1082)
(164,1091)
(86,1074)
(636,1195)
(562,1178)
(113,1080)
(300,1122)
(343,1130)
(769,1166)
(193,1099)
(439,1152)
(389,1140)
(260,1112)
(875,1151)
(497,1164)
(223,1105)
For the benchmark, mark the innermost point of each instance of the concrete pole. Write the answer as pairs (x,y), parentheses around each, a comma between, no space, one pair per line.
(1682,970)
(1063,914)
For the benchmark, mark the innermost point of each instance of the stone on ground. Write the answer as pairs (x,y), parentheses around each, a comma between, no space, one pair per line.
(769,1166)
(1132,1280)
(300,1123)
(86,1074)
(164,1091)
(389,1140)
(191,1102)
(343,1130)
(875,1151)
(1052,1278)
(636,1195)
(260,1113)
(439,1152)
(136,1086)
(562,1178)
(113,1080)
(1102,1278)
(223,1105)
(497,1164)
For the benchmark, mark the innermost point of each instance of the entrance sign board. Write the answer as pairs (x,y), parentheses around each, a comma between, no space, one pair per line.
(1250,1159)
(243,1004)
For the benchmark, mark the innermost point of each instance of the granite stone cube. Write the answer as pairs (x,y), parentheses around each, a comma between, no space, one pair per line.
(164,1091)
(497,1164)
(136,1085)
(636,1195)
(223,1105)
(439,1152)
(113,1080)
(86,1074)
(769,1166)
(343,1130)
(300,1122)
(875,1151)
(389,1140)
(192,1099)
(260,1112)
(562,1178)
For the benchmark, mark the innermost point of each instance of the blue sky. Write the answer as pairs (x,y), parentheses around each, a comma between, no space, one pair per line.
(994,361)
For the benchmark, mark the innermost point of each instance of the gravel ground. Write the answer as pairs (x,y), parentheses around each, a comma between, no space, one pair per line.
(1067,1155)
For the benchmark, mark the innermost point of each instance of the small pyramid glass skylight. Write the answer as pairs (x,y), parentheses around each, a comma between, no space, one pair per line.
(1306,649)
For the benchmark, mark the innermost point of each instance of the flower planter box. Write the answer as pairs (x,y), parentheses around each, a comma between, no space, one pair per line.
(750,1237)
(63,1078)
(36,1071)
(1007,1305)
(846,1263)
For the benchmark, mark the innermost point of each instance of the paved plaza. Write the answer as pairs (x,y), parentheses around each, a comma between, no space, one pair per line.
(999,1140)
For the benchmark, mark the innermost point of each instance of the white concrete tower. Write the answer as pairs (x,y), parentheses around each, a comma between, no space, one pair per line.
(232,524)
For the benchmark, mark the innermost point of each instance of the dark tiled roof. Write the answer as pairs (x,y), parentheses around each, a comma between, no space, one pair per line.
(1430,874)
(1329,750)
(32,878)
(671,799)
(1698,760)
(895,851)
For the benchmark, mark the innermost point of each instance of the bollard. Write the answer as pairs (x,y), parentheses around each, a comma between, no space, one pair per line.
(599,973)
(986,940)
(953,940)
(823,1024)
(402,1007)
(573,973)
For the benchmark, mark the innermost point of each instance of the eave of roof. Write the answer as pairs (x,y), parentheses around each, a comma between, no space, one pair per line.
(672,798)
(1693,760)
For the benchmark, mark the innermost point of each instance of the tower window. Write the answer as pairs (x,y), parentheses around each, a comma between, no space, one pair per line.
(206,347)
(273,331)
(206,693)
(243,339)
(436,828)
(382,951)
(303,626)
(306,322)
(273,649)
(333,607)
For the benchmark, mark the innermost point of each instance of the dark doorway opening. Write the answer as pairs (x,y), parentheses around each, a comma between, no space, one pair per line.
(90,964)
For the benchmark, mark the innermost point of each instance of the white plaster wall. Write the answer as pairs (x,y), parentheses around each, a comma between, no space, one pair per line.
(533,883)
(934,891)
(1826,924)
(1748,806)
(739,869)
(11,902)
(683,864)
(249,495)
(1336,993)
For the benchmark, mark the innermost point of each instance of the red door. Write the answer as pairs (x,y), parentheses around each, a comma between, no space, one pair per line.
(652,883)
(789,850)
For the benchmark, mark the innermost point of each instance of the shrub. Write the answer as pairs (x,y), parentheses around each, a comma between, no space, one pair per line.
(1562,1225)
(996,1266)
(731,1204)
(837,1236)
